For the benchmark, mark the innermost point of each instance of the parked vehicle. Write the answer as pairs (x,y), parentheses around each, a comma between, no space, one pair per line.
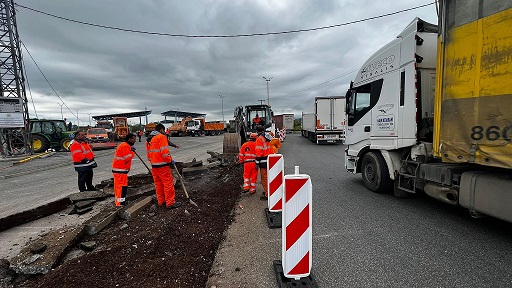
(447,136)
(284,121)
(98,138)
(324,121)
(150,127)
(48,134)
(198,126)
(120,128)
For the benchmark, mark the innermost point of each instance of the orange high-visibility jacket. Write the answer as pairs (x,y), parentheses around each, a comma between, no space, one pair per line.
(158,151)
(247,152)
(263,149)
(276,144)
(122,158)
(256,120)
(82,155)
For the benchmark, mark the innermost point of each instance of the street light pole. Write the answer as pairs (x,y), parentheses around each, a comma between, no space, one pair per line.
(268,94)
(222,100)
(77,120)
(61,115)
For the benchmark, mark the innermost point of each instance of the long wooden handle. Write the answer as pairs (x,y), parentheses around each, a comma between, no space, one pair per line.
(181,181)
(142,162)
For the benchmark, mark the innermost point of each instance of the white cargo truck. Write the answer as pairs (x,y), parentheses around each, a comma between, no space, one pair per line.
(430,111)
(324,121)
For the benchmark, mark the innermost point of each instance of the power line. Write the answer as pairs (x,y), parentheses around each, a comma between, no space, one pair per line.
(221,36)
(323,83)
(46,78)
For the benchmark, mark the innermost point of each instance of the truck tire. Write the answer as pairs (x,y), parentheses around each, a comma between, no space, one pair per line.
(39,143)
(375,173)
(64,144)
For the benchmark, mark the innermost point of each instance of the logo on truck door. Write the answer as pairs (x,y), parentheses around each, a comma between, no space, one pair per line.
(386,122)
(378,67)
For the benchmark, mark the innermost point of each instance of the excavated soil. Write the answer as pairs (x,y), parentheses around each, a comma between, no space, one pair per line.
(160,247)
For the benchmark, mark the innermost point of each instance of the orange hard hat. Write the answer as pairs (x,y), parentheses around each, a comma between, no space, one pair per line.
(253,136)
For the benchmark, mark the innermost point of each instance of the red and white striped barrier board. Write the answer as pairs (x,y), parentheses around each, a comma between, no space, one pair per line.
(275,182)
(297,229)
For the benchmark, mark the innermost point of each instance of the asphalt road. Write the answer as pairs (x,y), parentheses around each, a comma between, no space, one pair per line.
(364,239)
(39,181)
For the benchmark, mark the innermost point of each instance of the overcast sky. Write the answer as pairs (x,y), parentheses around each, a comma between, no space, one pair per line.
(102,71)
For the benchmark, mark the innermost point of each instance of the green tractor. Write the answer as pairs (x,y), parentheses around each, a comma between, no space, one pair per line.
(48,134)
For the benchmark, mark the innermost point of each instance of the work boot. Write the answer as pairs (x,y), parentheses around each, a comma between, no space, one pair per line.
(92,189)
(175,205)
(245,191)
(263,197)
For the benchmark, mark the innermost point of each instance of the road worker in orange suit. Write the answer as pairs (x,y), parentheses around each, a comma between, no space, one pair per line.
(275,143)
(157,148)
(263,149)
(247,156)
(83,160)
(121,166)
(256,121)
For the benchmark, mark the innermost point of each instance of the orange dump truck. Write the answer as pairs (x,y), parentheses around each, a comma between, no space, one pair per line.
(199,126)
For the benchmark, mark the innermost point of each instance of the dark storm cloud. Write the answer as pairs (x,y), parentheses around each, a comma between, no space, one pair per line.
(103,71)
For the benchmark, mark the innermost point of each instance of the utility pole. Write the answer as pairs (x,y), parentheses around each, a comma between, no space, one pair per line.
(77,120)
(222,99)
(268,94)
(61,115)
(12,87)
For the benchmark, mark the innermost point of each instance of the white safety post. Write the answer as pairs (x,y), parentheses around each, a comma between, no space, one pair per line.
(275,166)
(297,229)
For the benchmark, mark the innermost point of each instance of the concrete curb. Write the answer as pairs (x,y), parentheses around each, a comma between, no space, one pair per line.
(135,209)
(33,214)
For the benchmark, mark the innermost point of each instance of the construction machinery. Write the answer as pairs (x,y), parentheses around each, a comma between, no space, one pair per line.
(46,134)
(120,128)
(199,126)
(242,126)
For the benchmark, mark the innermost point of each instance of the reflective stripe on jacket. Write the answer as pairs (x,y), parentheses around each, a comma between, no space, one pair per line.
(81,153)
(158,151)
(122,158)
(247,152)
(263,149)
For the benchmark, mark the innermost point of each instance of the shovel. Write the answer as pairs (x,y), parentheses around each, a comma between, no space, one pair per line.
(183,186)
(179,175)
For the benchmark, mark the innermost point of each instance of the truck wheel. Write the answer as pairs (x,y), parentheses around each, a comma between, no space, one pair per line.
(39,144)
(64,144)
(375,173)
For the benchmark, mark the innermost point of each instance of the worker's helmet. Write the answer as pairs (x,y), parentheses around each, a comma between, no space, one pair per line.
(253,136)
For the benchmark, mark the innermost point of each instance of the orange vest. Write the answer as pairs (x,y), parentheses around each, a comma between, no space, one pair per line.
(158,151)
(247,152)
(122,158)
(82,155)
(256,120)
(263,149)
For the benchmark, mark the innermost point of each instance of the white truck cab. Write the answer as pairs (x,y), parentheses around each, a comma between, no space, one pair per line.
(390,104)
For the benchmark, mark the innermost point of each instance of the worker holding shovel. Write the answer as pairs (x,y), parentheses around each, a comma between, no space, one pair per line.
(121,166)
(160,158)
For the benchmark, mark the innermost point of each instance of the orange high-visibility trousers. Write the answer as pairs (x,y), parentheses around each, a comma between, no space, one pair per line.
(250,176)
(264,180)
(120,188)
(164,185)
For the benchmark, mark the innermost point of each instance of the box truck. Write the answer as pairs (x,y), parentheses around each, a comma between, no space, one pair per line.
(430,111)
(324,121)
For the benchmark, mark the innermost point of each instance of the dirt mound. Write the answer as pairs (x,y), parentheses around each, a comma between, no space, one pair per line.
(160,247)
